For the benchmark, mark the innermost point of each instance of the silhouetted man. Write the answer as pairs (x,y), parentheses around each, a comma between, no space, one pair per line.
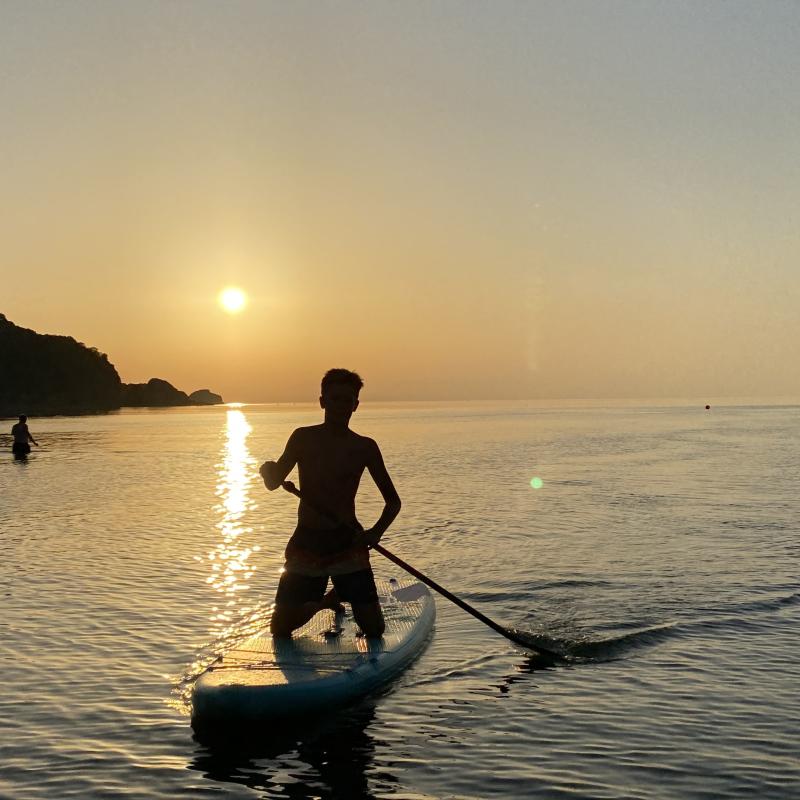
(331,460)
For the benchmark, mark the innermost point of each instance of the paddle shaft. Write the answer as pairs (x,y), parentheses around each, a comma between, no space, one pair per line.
(442,591)
(292,489)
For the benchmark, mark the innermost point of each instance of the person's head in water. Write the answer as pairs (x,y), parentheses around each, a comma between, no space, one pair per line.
(23,418)
(339,394)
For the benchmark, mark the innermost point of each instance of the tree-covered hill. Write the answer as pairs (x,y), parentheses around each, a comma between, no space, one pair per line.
(42,374)
(46,374)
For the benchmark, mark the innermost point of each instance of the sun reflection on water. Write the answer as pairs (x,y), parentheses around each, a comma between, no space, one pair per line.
(230,567)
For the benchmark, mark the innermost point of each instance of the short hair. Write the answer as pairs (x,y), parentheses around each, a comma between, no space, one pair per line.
(342,376)
(23,418)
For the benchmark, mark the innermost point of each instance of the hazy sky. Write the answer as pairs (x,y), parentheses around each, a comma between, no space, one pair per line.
(490,200)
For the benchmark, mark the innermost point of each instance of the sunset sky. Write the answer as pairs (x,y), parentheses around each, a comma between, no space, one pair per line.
(458,200)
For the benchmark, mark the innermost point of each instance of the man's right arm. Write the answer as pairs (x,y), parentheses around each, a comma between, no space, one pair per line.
(274,472)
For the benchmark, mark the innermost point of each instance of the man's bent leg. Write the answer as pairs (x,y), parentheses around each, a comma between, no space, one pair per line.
(299,597)
(287,618)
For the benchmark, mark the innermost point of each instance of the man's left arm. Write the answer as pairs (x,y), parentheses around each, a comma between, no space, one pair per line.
(379,474)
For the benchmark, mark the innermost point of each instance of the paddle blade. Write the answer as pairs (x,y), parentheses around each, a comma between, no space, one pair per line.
(531,642)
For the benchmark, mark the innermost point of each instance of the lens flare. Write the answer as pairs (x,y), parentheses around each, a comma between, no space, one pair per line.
(537,483)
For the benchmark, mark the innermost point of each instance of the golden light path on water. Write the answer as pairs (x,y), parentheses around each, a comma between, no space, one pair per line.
(229,560)
(230,567)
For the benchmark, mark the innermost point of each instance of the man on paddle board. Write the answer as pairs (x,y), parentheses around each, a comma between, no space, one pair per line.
(329,542)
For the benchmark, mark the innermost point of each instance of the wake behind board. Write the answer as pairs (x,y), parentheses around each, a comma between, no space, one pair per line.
(319,667)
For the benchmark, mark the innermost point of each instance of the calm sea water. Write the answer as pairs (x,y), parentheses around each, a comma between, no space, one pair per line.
(660,553)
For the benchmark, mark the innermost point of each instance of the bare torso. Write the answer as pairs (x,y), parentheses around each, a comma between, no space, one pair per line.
(330,464)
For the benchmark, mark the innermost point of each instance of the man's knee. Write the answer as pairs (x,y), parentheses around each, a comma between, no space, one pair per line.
(288,618)
(280,630)
(283,622)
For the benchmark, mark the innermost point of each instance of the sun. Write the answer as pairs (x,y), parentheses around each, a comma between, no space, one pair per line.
(232,299)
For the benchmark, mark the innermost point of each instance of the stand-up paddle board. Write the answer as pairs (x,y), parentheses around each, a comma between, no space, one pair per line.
(325,664)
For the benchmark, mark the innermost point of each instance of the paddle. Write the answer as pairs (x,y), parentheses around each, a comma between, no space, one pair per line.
(518,637)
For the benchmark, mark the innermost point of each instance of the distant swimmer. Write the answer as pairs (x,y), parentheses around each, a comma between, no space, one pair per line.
(22,436)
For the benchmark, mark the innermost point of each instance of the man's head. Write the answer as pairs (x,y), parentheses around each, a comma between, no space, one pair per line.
(23,418)
(339,394)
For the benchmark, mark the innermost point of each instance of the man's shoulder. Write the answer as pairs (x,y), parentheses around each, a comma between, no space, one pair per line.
(364,441)
(306,430)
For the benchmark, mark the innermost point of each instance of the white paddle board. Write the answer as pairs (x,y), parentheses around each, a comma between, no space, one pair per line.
(325,664)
